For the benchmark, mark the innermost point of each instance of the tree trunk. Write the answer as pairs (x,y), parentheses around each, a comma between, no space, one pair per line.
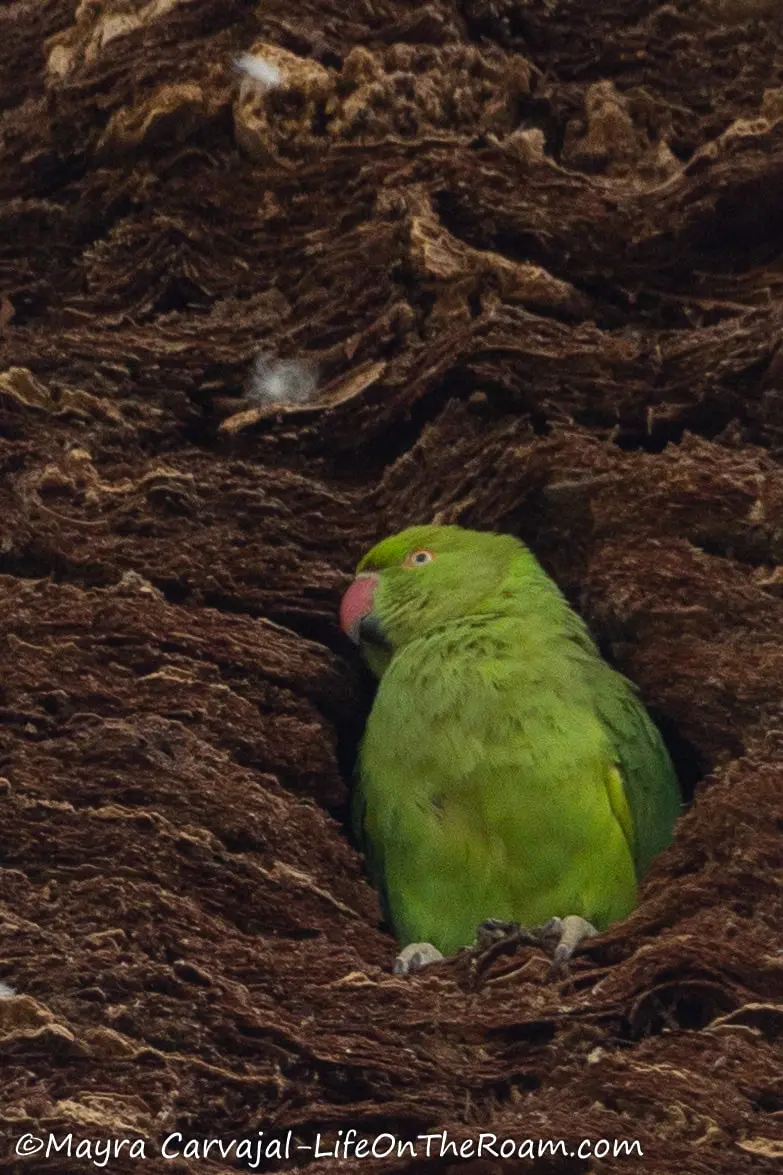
(509,263)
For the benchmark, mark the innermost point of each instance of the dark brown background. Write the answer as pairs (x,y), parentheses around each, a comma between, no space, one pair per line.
(535,247)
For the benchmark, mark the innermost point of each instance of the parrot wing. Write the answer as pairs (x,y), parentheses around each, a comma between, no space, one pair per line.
(650,784)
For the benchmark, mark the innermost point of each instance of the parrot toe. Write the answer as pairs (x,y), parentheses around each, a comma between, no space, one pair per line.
(559,936)
(495,930)
(568,933)
(415,956)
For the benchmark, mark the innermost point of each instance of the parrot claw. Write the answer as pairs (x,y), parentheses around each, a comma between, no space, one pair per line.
(559,936)
(568,932)
(494,930)
(415,956)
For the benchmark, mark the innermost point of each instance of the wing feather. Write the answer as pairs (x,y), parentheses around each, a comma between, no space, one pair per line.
(648,776)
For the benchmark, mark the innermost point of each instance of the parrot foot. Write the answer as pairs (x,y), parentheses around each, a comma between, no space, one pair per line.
(415,956)
(566,934)
(495,930)
(560,936)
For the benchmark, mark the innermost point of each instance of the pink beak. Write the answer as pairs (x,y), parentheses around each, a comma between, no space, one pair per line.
(357,603)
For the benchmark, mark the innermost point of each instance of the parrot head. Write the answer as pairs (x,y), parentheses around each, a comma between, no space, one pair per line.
(424,577)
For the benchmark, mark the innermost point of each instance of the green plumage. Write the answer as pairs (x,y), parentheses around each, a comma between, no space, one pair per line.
(506,770)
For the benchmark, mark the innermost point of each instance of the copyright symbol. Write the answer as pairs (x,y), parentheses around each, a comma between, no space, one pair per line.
(28,1144)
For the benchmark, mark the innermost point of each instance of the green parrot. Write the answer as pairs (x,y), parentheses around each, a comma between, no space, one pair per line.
(507,774)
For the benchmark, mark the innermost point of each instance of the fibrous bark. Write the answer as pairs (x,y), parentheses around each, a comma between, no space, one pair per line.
(532,250)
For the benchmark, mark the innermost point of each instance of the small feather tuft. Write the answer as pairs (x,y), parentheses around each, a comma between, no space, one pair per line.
(259,71)
(6,991)
(282,381)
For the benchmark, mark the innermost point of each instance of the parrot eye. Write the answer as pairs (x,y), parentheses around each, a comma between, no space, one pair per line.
(419,558)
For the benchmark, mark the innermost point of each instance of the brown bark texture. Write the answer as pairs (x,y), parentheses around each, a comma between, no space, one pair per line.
(533,251)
